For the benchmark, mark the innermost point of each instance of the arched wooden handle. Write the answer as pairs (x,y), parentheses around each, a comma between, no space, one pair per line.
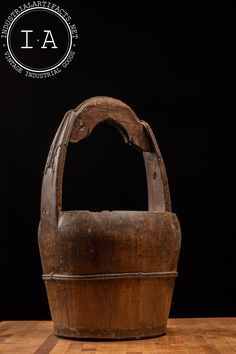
(77,125)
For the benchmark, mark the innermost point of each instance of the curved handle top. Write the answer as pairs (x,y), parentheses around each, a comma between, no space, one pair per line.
(77,125)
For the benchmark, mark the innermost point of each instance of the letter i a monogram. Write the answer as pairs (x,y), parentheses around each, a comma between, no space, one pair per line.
(48,39)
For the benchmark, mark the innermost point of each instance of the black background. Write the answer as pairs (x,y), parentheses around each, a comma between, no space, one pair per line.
(178,73)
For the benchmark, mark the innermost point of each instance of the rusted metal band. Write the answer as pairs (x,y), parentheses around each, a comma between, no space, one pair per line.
(54,276)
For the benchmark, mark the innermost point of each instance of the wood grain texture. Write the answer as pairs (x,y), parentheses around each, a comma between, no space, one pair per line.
(190,335)
(108,274)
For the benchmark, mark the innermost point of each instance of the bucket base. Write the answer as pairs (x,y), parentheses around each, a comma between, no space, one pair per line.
(110,333)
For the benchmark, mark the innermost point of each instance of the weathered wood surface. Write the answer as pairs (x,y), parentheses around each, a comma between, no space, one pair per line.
(108,274)
(184,336)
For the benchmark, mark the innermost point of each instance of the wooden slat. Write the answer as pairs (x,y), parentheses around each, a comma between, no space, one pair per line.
(185,336)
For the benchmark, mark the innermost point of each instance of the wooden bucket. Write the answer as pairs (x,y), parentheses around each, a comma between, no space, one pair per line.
(108,274)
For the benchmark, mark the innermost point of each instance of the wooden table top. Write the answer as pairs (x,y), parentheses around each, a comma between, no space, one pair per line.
(185,335)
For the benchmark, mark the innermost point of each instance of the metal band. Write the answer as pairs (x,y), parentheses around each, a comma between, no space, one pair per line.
(53,276)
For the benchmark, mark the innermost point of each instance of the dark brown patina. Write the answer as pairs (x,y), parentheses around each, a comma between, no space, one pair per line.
(108,274)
